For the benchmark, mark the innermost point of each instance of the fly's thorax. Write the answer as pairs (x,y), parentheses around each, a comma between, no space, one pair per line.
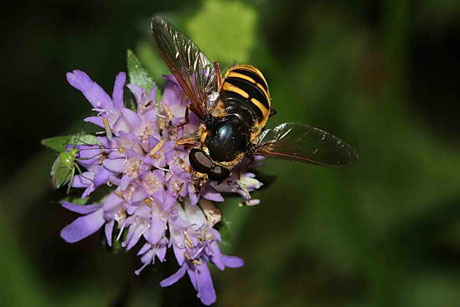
(219,109)
(226,138)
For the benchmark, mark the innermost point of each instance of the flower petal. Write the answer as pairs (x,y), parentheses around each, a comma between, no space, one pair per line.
(137,91)
(172,97)
(88,191)
(117,94)
(213,195)
(192,276)
(133,120)
(95,120)
(205,286)
(232,261)
(194,214)
(116,165)
(82,209)
(146,247)
(125,180)
(179,253)
(102,176)
(90,89)
(174,277)
(169,200)
(112,202)
(133,236)
(192,195)
(108,232)
(157,229)
(216,256)
(83,180)
(161,253)
(83,226)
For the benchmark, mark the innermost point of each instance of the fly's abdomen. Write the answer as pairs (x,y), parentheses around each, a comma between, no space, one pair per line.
(244,87)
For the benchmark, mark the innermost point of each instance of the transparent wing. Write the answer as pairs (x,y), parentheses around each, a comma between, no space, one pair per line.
(192,69)
(300,142)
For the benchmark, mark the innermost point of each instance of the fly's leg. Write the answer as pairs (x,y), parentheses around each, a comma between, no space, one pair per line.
(218,74)
(192,141)
(186,118)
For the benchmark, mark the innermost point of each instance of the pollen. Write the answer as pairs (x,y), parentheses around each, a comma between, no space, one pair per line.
(133,167)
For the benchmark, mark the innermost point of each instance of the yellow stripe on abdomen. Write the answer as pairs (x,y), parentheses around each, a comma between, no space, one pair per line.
(229,87)
(253,69)
(265,111)
(238,75)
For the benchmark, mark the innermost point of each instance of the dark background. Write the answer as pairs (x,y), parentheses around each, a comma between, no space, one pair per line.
(382,75)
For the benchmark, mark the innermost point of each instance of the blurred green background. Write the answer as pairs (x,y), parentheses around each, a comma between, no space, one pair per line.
(382,75)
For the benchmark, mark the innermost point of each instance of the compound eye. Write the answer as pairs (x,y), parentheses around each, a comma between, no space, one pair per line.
(199,161)
(218,173)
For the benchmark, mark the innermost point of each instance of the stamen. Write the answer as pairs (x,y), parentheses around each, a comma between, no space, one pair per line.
(187,255)
(118,194)
(149,201)
(108,130)
(156,148)
(196,262)
(188,241)
(168,111)
(244,189)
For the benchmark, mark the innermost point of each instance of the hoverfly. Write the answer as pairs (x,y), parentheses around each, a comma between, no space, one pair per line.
(234,110)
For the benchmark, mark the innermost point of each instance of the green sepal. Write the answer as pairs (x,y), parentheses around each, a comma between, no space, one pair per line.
(76,200)
(137,73)
(59,143)
(97,197)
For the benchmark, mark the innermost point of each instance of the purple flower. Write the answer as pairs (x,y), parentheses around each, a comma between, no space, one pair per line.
(156,200)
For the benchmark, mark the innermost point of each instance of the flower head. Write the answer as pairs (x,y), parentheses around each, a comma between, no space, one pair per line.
(156,197)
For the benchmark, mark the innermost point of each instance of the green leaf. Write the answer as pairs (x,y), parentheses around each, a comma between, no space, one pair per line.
(153,63)
(59,143)
(151,60)
(129,99)
(137,73)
